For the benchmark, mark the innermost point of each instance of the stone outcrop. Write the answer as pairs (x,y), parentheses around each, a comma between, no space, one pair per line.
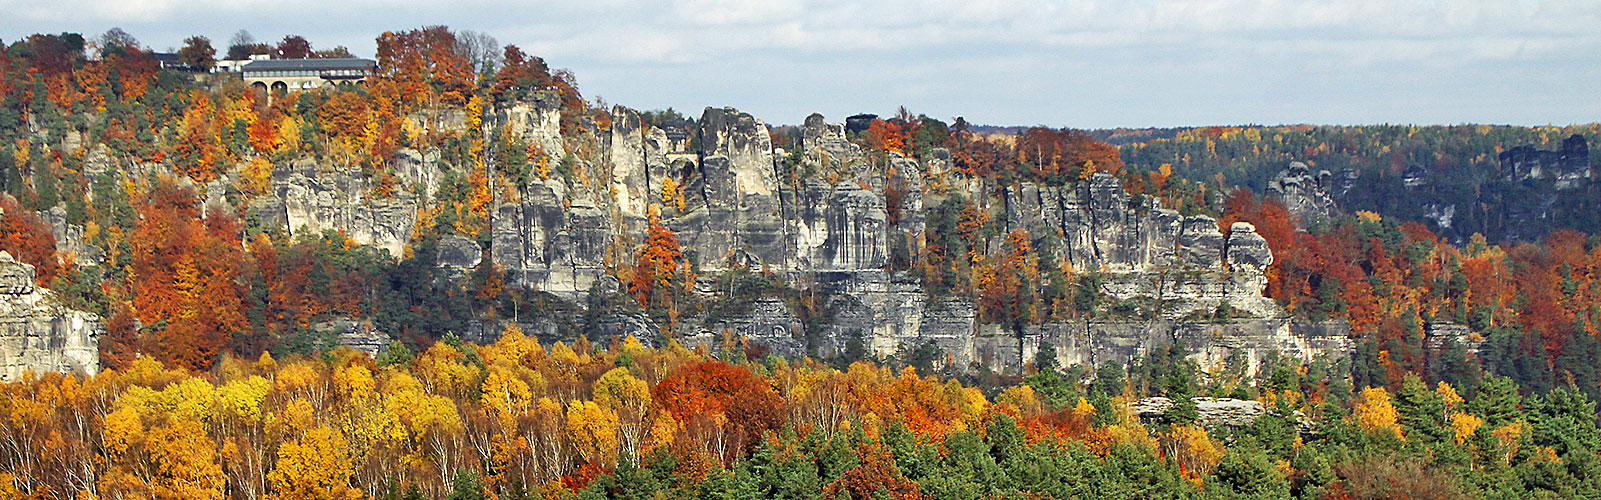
(354,334)
(308,201)
(1146,251)
(69,237)
(1210,343)
(743,139)
(1210,412)
(734,196)
(833,231)
(536,119)
(1415,176)
(458,252)
(630,182)
(1308,196)
(552,242)
(825,145)
(1568,167)
(36,333)
(769,322)
(1442,214)
(1438,335)
(1221,412)
(841,227)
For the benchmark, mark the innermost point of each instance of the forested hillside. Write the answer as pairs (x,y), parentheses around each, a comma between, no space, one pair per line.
(1397,170)
(662,306)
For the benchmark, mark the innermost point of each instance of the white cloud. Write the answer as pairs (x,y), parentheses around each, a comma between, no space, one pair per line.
(1079,62)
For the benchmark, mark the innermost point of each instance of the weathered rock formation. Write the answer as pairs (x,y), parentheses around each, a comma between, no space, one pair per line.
(536,119)
(1147,251)
(1306,195)
(458,252)
(1439,334)
(355,335)
(829,224)
(308,201)
(36,333)
(1210,343)
(1568,167)
(69,237)
(1414,176)
(552,242)
(1209,411)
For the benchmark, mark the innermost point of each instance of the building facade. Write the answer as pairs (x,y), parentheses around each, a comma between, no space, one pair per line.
(281,76)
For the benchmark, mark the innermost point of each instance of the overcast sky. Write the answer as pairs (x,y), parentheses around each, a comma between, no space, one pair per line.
(1085,64)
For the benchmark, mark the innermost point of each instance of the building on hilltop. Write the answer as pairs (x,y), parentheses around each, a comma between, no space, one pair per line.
(281,76)
(238,65)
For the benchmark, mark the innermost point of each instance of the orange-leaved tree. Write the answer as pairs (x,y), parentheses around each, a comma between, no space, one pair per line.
(185,278)
(28,239)
(724,406)
(656,268)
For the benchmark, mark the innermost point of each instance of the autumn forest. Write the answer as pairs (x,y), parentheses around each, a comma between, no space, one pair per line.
(215,381)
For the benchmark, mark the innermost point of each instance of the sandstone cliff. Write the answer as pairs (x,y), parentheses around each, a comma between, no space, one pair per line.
(1306,195)
(36,333)
(825,223)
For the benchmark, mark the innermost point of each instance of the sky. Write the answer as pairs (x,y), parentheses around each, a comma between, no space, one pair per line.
(1082,64)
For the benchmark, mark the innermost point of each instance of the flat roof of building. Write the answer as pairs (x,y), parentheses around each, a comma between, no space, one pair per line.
(308,64)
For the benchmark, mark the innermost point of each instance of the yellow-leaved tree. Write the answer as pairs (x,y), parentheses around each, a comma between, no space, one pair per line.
(593,429)
(1196,453)
(629,398)
(186,461)
(317,467)
(1376,413)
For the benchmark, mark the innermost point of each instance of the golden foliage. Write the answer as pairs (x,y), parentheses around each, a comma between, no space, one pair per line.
(1376,413)
(593,429)
(317,467)
(1465,425)
(1196,453)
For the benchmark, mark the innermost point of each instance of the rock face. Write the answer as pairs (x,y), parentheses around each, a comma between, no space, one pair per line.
(1210,343)
(735,198)
(1147,251)
(1210,412)
(536,119)
(307,201)
(69,238)
(825,144)
(834,222)
(1439,334)
(456,251)
(38,335)
(1414,176)
(1569,167)
(355,335)
(1306,195)
(630,182)
(769,322)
